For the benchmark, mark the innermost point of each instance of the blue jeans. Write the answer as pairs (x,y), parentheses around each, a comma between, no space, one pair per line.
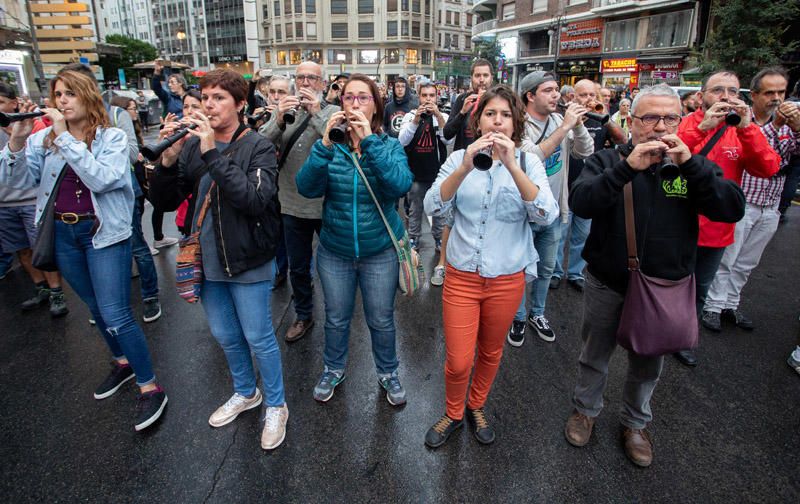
(299,237)
(148,278)
(6,260)
(240,318)
(102,279)
(545,240)
(578,230)
(377,278)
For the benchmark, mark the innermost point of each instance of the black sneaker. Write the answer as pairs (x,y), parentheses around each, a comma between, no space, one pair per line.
(152,310)
(711,321)
(58,305)
(149,406)
(555,282)
(119,375)
(441,430)
(542,327)
(738,318)
(41,298)
(483,431)
(516,335)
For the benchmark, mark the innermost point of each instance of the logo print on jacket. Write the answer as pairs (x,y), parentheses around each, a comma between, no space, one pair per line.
(395,120)
(553,164)
(675,188)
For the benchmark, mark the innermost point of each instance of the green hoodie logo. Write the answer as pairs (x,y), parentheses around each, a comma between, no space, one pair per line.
(675,188)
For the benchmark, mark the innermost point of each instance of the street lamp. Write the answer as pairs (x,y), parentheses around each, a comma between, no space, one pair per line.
(181,35)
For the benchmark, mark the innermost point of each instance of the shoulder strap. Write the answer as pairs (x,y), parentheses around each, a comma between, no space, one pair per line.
(630,228)
(544,131)
(711,143)
(286,148)
(377,203)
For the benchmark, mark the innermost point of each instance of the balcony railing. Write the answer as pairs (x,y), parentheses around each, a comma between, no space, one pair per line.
(484,27)
(534,53)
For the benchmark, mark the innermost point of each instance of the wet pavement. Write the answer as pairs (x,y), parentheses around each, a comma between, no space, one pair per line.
(726,431)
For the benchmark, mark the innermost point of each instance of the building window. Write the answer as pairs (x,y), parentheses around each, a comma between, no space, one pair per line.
(447,40)
(667,30)
(368,57)
(295,57)
(467,44)
(265,11)
(404,7)
(391,5)
(427,6)
(404,28)
(289,31)
(508,11)
(621,35)
(278,33)
(298,6)
(392,55)
(426,57)
(311,6)
(277,5)
(366,30)
(338,6)
(391,28)
(416,7)
(314,55)
(427,31)
(298,29)
(539,6)
(411,56)
(282,57)
(366,6)
(415,29)
(311,30)
(340,56)
(339,30)
(287,8)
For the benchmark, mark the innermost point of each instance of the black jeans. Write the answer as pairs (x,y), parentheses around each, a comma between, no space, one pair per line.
(792,179)
(708,259)
(299,239)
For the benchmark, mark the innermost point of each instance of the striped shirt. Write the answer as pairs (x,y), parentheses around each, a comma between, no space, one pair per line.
(766,192)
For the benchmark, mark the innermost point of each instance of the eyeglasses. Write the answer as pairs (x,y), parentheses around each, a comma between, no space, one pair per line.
(671,120)
(363,99)
(307,77)
(719,90)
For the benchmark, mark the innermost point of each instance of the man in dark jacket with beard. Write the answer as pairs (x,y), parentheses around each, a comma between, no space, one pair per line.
(399,104)
(458,123)
(666,235)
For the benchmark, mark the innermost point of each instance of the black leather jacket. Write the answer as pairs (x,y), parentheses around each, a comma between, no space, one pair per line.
(244,201)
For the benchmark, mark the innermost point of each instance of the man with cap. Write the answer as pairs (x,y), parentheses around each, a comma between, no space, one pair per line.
(335,90)
(399,105)
(553,138)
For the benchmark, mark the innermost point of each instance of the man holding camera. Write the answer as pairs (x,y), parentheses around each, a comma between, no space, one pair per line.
(553,139)
(424,142)
(735,149)
(301,217)
(666,230)
(780,124)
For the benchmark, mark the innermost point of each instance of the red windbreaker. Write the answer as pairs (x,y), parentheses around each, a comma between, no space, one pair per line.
(739,149)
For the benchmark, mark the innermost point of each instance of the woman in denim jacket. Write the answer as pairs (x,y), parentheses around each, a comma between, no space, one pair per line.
(355,247)
(93,209)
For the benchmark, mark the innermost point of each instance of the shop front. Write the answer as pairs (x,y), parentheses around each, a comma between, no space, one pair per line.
(662,71)
(620,73)
(580,46)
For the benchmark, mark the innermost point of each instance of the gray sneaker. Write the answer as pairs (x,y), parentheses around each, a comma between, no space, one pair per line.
(794,364)
(41,298)
(395,393)
(327,383)
(152,310)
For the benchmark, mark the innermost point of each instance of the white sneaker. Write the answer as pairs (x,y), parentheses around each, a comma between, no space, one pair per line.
(238,403)
(154,251)
(437,278)
(274,427)
(167,241)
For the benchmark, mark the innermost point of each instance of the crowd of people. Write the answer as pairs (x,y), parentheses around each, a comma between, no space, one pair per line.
(542,185)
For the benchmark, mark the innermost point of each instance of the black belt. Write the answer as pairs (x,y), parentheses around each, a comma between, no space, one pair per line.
(73,218)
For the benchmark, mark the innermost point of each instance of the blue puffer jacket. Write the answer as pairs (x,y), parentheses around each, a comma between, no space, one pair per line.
(351,225)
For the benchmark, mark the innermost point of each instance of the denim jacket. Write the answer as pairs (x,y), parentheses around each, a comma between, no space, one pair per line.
(105,171)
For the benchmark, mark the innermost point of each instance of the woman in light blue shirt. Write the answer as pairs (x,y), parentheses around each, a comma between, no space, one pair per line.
(489,249)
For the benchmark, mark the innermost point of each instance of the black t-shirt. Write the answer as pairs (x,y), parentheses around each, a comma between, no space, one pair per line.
(602,140)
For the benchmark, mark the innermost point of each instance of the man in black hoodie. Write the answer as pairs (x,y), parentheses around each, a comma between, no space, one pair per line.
(458,123)
(399,104)
(666,233)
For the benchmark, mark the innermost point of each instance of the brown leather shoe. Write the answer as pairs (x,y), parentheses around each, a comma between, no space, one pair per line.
(298,329)
(638,446)
(578,429)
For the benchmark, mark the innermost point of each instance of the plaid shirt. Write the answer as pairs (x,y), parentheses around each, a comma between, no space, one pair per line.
(766,192)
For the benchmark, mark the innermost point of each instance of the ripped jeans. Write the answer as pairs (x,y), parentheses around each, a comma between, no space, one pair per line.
(102,279)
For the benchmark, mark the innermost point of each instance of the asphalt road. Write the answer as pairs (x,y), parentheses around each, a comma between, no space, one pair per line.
(726,431)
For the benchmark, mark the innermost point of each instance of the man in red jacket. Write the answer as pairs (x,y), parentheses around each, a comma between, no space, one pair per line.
(739,148)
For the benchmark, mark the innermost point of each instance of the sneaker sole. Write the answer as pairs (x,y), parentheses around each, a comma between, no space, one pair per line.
(545,337)
(59,313)
(234,417)
(153,318)
(147,423)
(515,344)
(111,392)
(326,399)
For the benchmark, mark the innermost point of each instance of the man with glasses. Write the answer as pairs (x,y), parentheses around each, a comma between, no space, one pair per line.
(666,229)
(301,217)
(736,149)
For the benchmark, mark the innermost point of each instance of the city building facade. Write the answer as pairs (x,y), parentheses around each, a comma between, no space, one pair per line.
(453,40)
(179,30)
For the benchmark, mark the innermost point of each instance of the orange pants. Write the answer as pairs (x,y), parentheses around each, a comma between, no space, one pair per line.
(476,310)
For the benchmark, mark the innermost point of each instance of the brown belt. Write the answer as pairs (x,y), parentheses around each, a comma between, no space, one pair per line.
(73,218)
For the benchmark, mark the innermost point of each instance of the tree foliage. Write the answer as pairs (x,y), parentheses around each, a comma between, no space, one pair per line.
(133,51)
(748,35)
(488,50)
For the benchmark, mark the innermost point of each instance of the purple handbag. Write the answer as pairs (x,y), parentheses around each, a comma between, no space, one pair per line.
(658,315)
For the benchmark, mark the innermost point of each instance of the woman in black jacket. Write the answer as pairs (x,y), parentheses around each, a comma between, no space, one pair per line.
(223,165)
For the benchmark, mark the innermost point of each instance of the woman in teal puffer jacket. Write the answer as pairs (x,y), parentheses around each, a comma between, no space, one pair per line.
(355,248)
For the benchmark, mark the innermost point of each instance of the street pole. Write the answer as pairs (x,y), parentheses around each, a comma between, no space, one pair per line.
(37,56)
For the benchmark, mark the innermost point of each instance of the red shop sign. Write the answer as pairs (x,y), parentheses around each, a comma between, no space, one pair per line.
(582,37)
